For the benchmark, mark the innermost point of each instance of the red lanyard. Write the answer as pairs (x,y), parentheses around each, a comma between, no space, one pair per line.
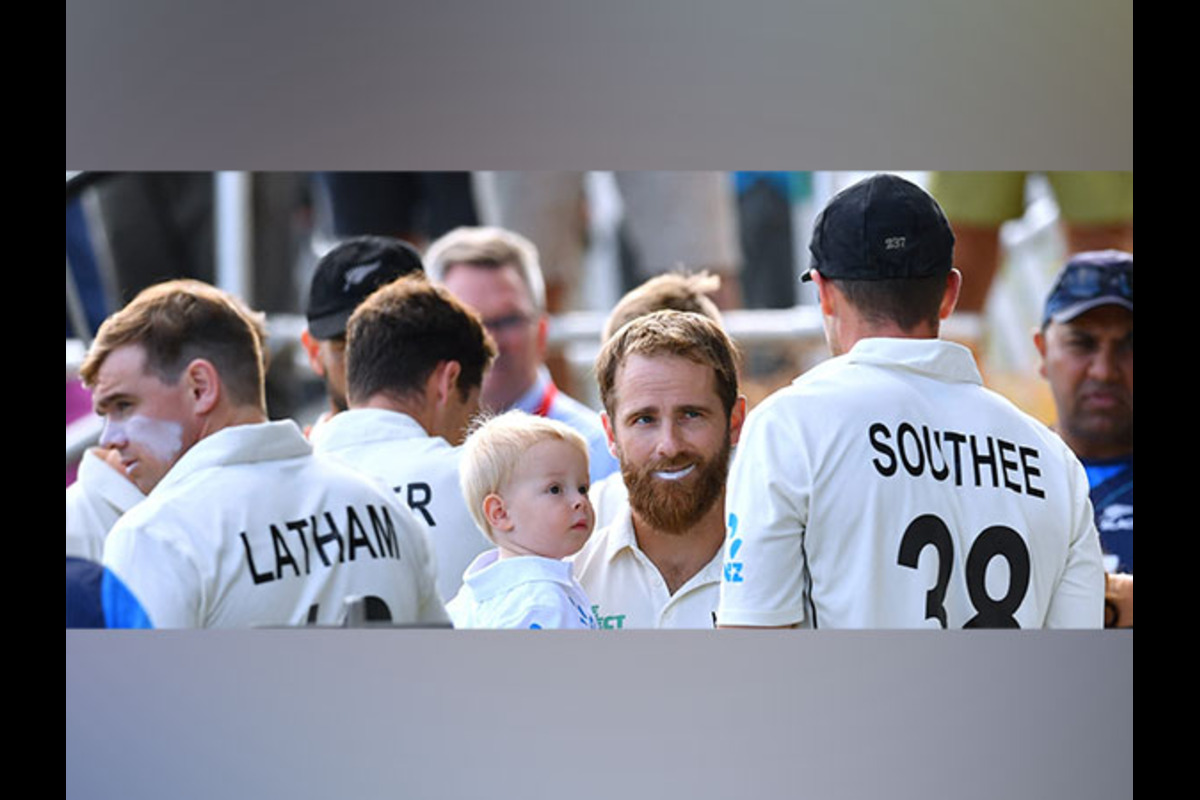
(547,400)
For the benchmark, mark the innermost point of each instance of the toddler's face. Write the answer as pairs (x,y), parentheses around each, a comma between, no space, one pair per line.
(547,502)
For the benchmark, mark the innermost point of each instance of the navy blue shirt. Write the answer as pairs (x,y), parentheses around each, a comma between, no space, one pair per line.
(1111,484)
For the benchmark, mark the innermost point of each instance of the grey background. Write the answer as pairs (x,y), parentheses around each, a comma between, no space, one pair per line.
(625,84)
(851,84)
(430,714)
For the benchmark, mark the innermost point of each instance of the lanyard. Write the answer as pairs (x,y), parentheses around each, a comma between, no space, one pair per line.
(547,400)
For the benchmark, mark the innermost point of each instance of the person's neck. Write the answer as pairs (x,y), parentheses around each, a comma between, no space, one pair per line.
(679,556)
(499,402)
(422,413)
(230,416)
(851,335)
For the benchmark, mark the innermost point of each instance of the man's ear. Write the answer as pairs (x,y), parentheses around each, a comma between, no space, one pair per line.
(313,348)
(1039,341)
(954,281)
(825,294)
(203,384)
(736,418)
(445,380)
(608,433)
(496,513)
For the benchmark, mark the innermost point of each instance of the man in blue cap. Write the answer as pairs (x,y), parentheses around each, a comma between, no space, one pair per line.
(886,487)
(1086,345)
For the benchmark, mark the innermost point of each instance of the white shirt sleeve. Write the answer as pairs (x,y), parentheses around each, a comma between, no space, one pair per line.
(161,577)
(1078,600)
(767,501)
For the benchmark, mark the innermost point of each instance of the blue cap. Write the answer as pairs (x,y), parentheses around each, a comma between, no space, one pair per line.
(1089,280)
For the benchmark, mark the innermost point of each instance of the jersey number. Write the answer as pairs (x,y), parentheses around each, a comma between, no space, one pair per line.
(998,540)
(356,610)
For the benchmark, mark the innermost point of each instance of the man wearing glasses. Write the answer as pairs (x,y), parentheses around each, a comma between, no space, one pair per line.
(496,273)
(1086,344)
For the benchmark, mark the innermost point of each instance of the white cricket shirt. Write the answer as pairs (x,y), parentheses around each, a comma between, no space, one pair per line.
(97,498)
(628,591)
(610,499)
(421,469)
(249,529)
(525,592)
(888,488)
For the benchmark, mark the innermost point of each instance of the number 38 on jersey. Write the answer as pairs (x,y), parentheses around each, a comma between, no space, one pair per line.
(994,606)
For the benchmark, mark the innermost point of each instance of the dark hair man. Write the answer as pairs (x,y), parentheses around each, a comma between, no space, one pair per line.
(886,487)
(415,361)
(344,277)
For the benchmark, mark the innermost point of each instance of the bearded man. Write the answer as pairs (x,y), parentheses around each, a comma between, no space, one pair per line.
(672,414)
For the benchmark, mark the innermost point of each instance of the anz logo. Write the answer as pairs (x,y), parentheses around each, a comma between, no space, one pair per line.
(733,569)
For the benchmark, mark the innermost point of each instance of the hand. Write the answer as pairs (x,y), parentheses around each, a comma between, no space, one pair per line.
(112,457)
(1118,600)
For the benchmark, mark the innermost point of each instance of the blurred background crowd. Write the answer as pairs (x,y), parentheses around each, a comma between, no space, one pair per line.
(599,234)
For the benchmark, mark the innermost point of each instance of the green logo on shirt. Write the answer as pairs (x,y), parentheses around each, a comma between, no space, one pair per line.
(609,622)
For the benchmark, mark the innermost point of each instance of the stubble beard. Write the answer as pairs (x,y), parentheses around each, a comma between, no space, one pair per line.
(677,506)
(1111,429)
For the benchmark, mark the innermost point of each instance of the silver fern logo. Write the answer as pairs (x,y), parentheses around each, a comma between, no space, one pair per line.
(357,275)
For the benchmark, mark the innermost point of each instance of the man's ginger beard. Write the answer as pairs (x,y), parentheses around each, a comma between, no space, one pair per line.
(675,506)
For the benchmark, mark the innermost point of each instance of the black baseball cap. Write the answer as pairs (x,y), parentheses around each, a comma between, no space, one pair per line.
(348,274)
(880,228)
(1096,278)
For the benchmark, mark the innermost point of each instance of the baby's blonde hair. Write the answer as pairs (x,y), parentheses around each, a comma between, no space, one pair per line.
(494,447)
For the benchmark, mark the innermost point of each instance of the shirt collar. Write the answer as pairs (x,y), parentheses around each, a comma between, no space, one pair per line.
(240,444)
(490,575)
(935,357)
(619,536)
(532,399)
(107,482)
(359,425)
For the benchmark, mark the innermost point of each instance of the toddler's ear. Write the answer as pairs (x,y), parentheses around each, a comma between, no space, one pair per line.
(496,513)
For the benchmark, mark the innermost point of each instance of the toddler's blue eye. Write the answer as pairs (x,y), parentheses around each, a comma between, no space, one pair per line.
(555,490)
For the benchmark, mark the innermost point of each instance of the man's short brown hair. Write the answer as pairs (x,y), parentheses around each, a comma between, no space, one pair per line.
(670,333)
(680,291)
(179,321)
(397,337)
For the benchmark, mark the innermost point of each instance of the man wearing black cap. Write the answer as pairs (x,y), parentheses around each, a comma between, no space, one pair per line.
(415,361)
(344,277)
(887,488)
(1086,345)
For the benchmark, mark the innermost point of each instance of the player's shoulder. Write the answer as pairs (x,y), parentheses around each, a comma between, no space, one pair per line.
(832,381)
(538,602)
(1004,411)
(160,504)
(593,554)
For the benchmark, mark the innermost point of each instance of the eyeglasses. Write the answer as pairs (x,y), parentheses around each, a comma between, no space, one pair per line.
(507,324)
